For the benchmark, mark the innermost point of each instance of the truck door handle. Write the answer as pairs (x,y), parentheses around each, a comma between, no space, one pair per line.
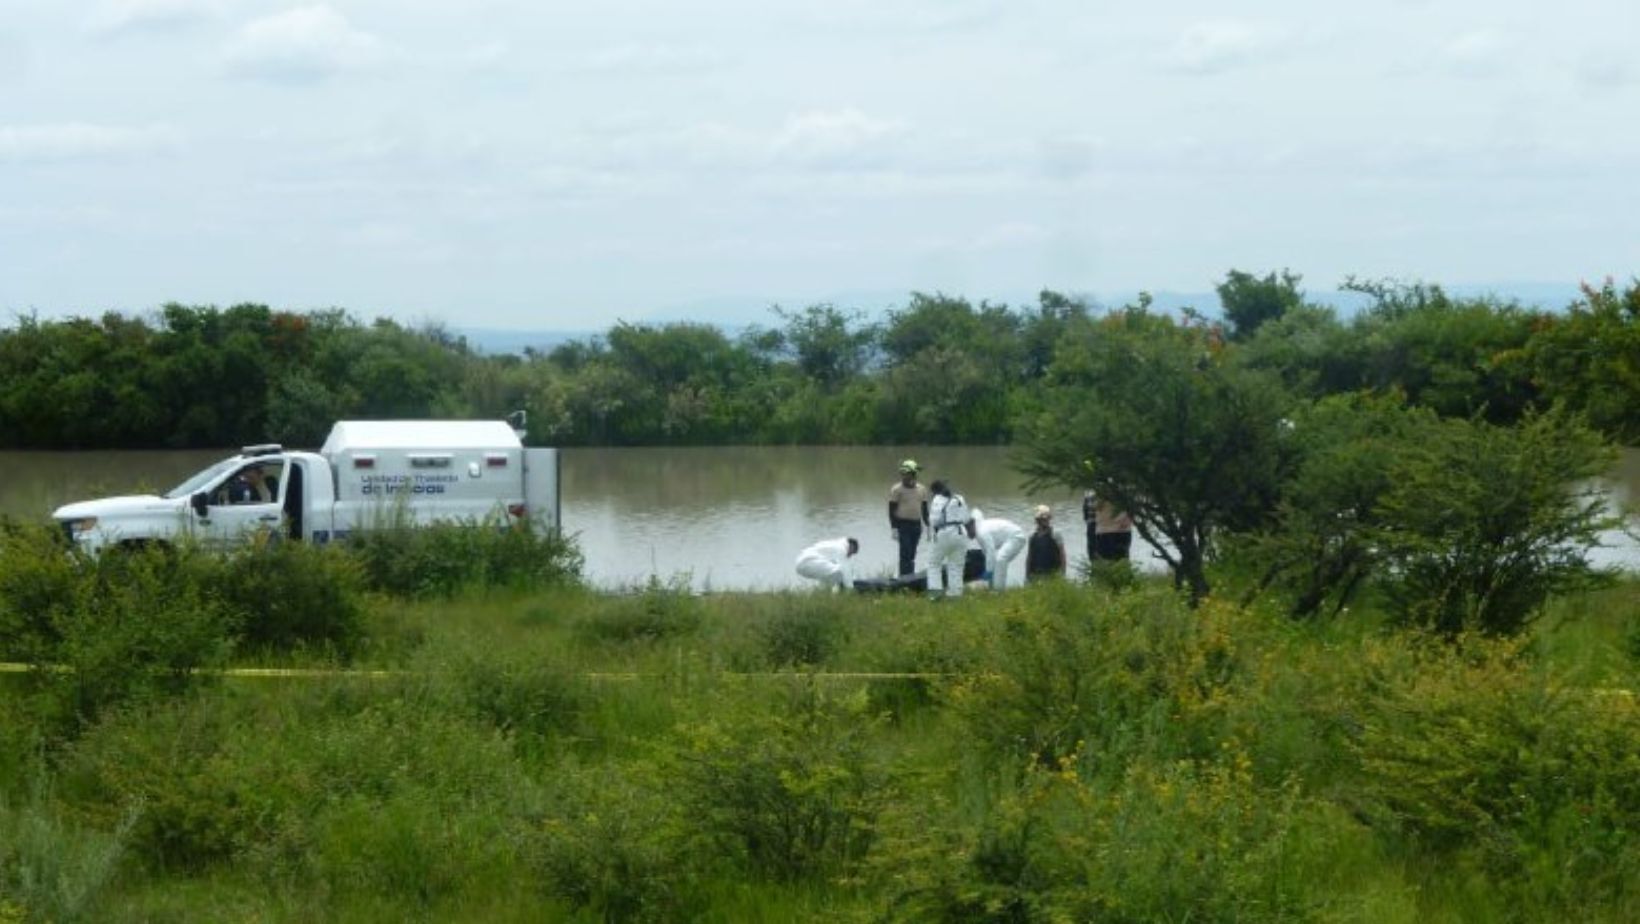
(269,518)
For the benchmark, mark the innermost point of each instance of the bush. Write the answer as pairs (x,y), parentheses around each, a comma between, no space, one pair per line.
(655,612)
(51,871)
(1169,841)
(291,595)
(790,792)
(1480,524)
(1468,754)
(610,843)
(141,623)
(440,559)
(526,699)
(803,631)
(369,791)
(1070,672)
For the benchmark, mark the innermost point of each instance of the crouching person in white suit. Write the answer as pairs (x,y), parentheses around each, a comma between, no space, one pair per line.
(1001,541)
(827,562)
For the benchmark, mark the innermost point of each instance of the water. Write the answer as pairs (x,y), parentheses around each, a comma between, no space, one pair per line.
(727,518)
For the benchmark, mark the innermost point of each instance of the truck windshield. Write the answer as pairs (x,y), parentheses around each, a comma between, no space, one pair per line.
(195,483)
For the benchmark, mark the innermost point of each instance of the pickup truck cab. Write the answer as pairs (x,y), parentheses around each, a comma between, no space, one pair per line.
(368,475)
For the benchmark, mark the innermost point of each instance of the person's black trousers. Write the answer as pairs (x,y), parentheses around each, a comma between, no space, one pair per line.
(910,535)
(1113,546)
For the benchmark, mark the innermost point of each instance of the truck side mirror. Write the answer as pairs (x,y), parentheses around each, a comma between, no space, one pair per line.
(201,505)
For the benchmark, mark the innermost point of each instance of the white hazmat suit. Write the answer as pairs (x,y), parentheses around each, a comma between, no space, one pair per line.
(1001,541)
(949,522)
(826,562)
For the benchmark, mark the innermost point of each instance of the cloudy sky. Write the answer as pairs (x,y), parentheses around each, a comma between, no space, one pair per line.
(546,165)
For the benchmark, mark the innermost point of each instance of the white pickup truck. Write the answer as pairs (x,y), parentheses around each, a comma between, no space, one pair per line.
(368,473)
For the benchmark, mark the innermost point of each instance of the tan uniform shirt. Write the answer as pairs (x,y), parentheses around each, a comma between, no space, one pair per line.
(1108,519)
(907,501)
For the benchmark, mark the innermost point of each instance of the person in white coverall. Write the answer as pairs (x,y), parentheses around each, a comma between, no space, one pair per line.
(1001,541)
(950,527)
(827,562)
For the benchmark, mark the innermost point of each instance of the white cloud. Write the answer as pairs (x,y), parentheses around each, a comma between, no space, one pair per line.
(843,137)
(1606,70)
(13,58)
(1214,46)
(117,16)
(646,59)
(80,141)
(304,44)
(905,17)
(1480,53)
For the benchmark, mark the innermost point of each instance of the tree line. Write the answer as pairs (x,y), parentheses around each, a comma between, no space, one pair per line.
(940,369)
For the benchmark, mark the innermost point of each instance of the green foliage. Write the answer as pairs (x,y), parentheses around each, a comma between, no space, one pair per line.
(803,633)
(656,611)
(1151,416)
(1179,840)
(353,794)
(1085,755)
(1454,356)
(1589,358)
(1537,783)
(791,791)
(51,870)
(608,844)
(1321,545)
(439,559)
(1116,680)
(136,625)
(1481,524)
(291,594)
(1249,302)
(939,369)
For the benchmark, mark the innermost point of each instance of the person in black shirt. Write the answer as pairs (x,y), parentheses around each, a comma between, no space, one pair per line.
(1045,550)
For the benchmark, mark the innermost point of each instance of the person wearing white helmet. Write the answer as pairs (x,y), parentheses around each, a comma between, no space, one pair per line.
(827,562)
(907,514)
(1001,541)
(952,526)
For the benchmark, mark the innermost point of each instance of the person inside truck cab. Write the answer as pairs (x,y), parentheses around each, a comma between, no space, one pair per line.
(253,484)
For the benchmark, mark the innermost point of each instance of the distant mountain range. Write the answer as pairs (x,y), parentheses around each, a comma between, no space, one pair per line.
(736,313)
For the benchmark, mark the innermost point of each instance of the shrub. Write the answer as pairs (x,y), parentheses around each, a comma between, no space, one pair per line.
(609,843)
(37,587)
(1182,840)
(440,559)
(803,631)
(290,595)
(1482,524)
(141,623)
(50,870)
(379,790)
(528,700)
(790,792)
(656,611)
(1466,753)
(1130,675)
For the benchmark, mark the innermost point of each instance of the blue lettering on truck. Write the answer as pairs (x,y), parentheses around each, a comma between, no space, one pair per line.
(405,484)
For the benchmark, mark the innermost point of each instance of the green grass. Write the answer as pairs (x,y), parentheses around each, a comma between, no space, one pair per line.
(1072,753)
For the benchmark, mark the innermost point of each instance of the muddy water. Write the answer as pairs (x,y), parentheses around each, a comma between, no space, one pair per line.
(727,518)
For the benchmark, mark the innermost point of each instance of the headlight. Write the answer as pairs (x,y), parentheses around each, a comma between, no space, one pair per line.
(82,525)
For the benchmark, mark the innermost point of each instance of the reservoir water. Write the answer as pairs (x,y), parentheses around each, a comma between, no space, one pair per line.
(722,517)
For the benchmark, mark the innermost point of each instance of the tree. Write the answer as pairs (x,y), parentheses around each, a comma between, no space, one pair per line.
(1589,358)
(830,348)
(1249,301)
(1481,524)
(1150,416)
(1319,546)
